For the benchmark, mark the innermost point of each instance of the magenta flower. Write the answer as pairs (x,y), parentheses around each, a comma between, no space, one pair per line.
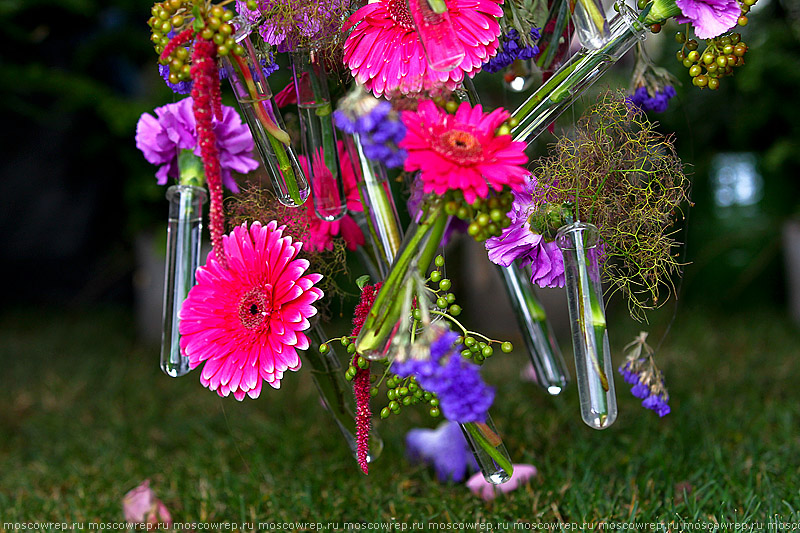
(462,151)
(246,322)
(385,54)
(480,487)
(709,18)
(518,241)
(140,505)
(161,139)
(320,232)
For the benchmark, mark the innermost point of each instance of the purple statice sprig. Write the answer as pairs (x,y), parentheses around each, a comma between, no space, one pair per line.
(443,448)
(640,371)
(463,395)
(380,131)
(656,102)
(512,48)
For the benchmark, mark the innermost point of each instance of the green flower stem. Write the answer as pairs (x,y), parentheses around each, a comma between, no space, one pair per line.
(190,169)
(559,12)
(660,10)
(598,320)
(382,215)
(489,441)
(387,309)
(278,138)
(437,6)
(570,80)
(597,16)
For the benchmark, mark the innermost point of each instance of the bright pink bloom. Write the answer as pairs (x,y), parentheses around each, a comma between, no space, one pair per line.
(385,54)
(246,322)
(480,487)
(321,232)
(462,151)
(709,18)
(140,505)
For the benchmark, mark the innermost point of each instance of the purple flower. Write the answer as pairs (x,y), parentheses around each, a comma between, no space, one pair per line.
(308,20)
(379,131)
(709,18)
(518,241)
(463,396)
(161,139)
(182,87)
(641,98)
(640,390)
(444,448)
(511,49)
(657,404)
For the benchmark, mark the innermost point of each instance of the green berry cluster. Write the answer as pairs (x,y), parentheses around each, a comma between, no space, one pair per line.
(445,300)
(745,5)
(486,216)
(405,392)
(211,22)
(720,57)
(480,350)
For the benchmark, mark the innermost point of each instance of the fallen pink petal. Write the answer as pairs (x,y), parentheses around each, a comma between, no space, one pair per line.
(140,505)
(480,487)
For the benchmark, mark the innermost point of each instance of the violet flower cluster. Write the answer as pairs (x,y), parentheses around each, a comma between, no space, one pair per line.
(463,396)
(519,242)
(658,103)
(293,23)
(647,385)
(379,132)
(511,49)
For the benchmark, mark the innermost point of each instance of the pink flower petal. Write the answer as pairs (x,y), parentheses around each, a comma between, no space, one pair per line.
(480,487)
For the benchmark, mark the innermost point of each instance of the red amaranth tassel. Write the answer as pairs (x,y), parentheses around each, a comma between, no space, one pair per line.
(368,294)
(183,37)
(206,85)
(361,388)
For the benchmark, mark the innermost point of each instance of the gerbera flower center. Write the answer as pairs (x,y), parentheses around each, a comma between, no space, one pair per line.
(460,146)
(398,10)
(255,307)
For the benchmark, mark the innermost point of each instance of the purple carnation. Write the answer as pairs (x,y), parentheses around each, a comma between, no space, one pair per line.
(161,139)
(658,104)
(709,18)
(518,241)
(463,396)
(444,448)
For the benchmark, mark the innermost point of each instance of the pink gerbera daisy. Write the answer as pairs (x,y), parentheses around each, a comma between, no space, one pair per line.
(321,233)
(462,151)
(385,54)
(246,322)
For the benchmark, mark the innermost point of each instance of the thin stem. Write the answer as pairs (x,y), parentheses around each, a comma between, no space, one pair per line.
(483,440)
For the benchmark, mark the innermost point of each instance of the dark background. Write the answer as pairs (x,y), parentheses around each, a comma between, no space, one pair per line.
(77,74)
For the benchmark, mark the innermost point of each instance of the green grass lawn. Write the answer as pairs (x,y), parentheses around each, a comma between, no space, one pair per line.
(86,415)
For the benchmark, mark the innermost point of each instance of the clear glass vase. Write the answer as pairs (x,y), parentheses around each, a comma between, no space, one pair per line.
(575,76)
(591,25)
(594,374)
(184,231)
(254,96)
(383,225)
(489,451)
(337,393)
(551,370)
(318,134)
(443,50)
(384,319)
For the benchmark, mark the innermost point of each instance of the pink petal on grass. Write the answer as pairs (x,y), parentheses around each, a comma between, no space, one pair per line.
(480,487)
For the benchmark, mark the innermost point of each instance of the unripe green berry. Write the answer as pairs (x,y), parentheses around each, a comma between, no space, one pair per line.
(455,309)
(445,284)
(506,347)
(385,412)
(436,276)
